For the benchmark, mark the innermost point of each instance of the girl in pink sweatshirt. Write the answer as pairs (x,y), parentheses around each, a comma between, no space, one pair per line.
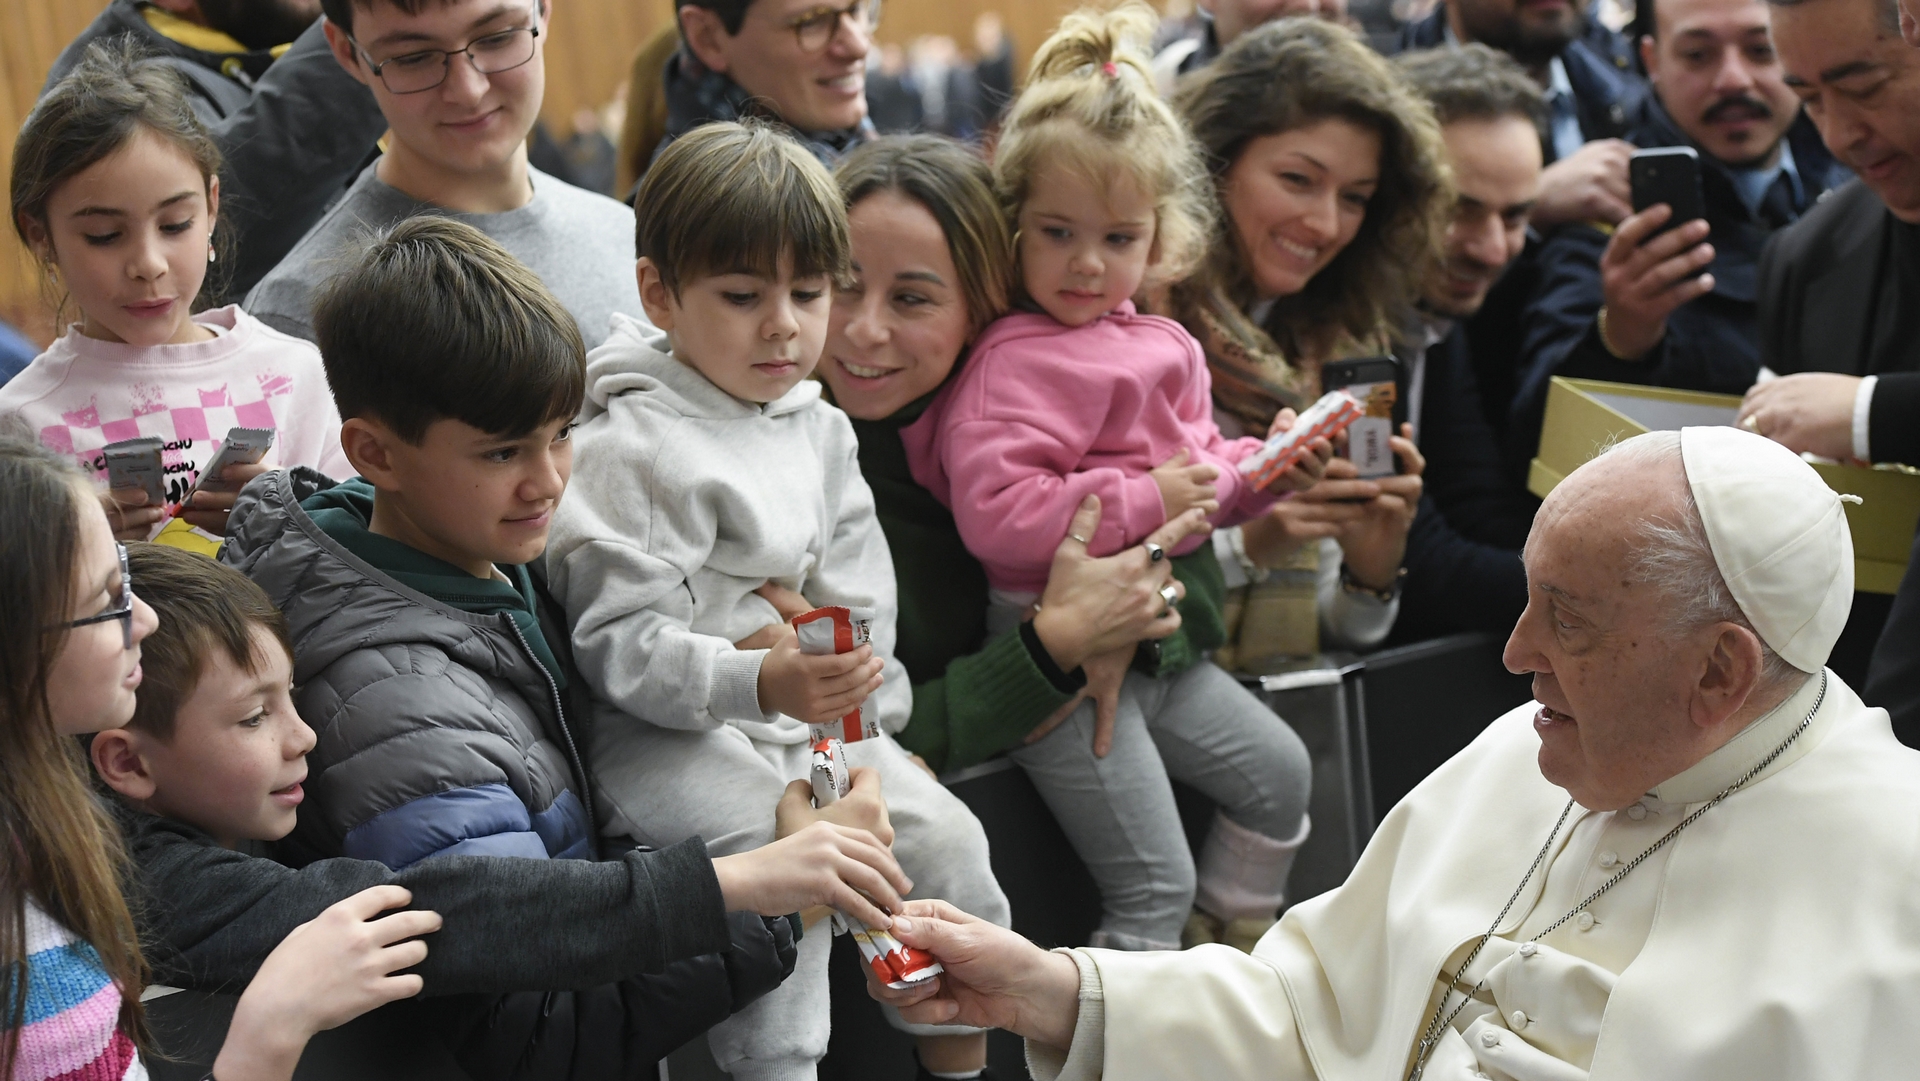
(115,189)
(1079,394)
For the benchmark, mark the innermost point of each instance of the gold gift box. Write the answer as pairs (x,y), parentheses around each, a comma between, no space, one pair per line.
(1584,415)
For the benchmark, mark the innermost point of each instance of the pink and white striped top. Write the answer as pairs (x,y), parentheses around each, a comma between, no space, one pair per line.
(71,1030)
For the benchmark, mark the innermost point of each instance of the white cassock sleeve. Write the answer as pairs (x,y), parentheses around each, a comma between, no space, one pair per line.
(1210,1013)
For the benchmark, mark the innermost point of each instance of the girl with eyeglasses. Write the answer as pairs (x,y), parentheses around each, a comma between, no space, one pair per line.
(71,972)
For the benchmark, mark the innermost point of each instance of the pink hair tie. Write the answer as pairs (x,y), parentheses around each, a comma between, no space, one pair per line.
(1111,71)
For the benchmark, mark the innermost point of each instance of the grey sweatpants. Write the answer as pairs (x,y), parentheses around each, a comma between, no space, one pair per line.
(664,785)
(1200,727)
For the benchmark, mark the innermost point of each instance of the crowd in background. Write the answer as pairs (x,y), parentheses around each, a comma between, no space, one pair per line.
(800,321)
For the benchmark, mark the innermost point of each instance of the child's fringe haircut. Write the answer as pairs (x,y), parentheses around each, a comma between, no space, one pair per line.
(1090,105)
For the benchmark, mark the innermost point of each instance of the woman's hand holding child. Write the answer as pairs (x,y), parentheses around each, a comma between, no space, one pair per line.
(329,971)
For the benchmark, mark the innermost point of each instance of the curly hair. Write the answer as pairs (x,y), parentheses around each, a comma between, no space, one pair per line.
(1090,105)
(1292,74)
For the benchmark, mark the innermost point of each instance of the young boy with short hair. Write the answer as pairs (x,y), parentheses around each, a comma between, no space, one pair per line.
(710,469)
(215,757)
(433,668)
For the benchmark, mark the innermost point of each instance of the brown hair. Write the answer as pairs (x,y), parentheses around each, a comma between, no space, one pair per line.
(1292,74)
(1474,82)
(340,12)
(57,844)
(954,184)
(1090,105)
(115,92)
(434,320)
(203,608)
(736,198)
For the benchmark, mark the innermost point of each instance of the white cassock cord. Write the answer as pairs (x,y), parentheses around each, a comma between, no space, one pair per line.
(1443,1019)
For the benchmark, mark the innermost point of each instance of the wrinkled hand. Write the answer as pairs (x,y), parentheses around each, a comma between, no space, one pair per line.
(327,972)
(209,510)
(1093,606)
(1312,465)
(816,688)
(994,978)
(1184,487)
(1589,185)
(128,513)
(821,865)
(1105,672)
(862,808)
(1808,413)
(1646,280)
(1375,545)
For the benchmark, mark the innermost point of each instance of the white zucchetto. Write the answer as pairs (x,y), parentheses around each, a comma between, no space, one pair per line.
(1779,535)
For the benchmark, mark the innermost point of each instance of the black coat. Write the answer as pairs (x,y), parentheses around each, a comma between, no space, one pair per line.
(1713,342)
(1463,552)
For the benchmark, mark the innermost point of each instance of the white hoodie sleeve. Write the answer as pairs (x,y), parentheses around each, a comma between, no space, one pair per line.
(620,563)
(857,571)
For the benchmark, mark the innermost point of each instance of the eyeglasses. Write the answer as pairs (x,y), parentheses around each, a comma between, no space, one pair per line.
(122,609)
(412,73)
(816,28)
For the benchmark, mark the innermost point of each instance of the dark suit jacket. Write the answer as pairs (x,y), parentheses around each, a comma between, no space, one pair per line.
(1463,552)
(1712,342)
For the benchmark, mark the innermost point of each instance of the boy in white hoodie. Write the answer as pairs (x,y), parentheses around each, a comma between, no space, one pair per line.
(707,467)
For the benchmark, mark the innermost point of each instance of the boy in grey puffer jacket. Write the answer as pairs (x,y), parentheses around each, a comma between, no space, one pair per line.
(708,469)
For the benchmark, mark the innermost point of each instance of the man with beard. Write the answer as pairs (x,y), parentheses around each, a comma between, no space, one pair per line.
(1462,560)
(292,127)
(1676,307)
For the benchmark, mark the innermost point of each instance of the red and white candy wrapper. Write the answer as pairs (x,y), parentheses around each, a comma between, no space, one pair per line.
(897,964)
(1324,419)
(830,630)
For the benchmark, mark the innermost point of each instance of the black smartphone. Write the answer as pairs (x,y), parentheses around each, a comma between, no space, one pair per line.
(1670,175)
(1380,385)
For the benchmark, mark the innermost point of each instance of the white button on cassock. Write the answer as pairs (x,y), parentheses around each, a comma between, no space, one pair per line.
(1584,921)
(1637,812)
(1528,949)
(1490,1039)
(1608,859)
(1518,1019)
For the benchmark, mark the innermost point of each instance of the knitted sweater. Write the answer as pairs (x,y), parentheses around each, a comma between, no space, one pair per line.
(71,1028)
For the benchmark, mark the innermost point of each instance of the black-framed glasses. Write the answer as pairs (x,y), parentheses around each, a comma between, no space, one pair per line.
(122,609)
(815,28)
(416,72)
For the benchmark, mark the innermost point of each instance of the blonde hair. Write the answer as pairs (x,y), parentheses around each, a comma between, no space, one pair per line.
(1090,105)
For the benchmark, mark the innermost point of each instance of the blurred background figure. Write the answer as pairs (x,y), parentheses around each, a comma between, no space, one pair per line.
(993,68)
(949,89)
(893,97)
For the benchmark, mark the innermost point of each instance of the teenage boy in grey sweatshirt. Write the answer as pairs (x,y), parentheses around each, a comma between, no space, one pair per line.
(710,468)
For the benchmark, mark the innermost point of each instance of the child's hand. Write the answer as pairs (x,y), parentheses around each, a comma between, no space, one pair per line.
(823,864)
(862,808)
(1184,487)
(128,513)
(329,971)
(209,510)
(816,689)
(1312,465)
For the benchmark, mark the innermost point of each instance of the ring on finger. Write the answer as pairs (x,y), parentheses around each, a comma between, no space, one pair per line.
(1752,423)
(1155,553)
(1079,538)
(1169,593)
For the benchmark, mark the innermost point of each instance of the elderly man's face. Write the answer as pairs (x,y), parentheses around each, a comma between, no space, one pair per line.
(1861,86)
(1615,689)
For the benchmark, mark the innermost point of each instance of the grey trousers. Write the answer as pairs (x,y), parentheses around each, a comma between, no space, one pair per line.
(664,785)
(1199,726)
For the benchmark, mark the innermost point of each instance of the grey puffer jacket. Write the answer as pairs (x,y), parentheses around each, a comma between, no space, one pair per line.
(439,732)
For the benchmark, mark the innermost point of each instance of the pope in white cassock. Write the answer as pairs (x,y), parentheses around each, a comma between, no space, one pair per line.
(1696,855)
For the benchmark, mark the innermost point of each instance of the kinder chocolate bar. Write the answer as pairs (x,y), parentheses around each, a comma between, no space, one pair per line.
(835,629)
(897,964)
(1324,419)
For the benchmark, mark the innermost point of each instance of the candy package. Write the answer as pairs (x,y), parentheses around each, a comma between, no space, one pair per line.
(835,629)
(897,964)
(1324,419)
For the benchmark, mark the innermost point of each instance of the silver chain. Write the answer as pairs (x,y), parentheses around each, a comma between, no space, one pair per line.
(1442,1018)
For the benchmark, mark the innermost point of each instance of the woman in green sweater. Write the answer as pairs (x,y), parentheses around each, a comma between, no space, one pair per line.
(932,257)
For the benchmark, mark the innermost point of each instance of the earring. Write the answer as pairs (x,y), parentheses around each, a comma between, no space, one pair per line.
(212,256)
(53,274)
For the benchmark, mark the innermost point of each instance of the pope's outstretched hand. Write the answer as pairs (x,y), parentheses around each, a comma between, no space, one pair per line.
(994,978)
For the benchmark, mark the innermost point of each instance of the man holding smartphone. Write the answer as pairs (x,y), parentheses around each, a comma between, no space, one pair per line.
(1668,302)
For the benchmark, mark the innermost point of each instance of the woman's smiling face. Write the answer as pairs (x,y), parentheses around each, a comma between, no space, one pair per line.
(1297,198)
(895,335)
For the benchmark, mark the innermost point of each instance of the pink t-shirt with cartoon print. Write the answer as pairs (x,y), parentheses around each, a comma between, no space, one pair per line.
(83,393)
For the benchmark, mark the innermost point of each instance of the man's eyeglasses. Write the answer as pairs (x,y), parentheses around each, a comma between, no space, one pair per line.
(816,28)
(412,73)
(122,609)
